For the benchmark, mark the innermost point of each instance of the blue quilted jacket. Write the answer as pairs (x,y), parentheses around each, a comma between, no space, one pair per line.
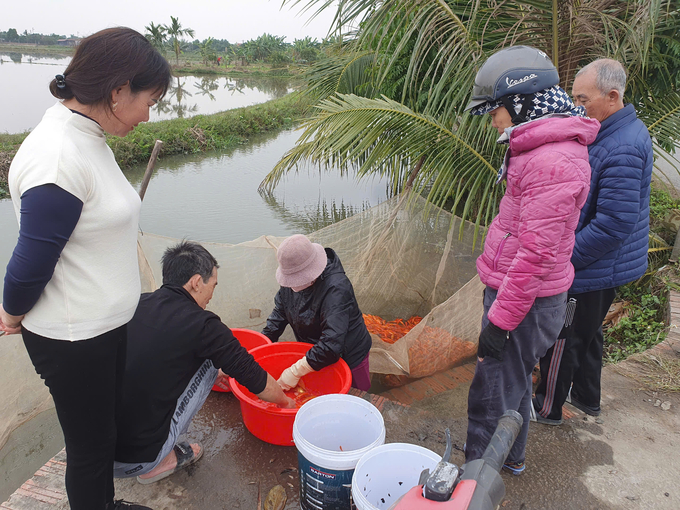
(612,236)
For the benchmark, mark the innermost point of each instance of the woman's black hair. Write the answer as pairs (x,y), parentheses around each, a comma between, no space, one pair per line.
(109,59)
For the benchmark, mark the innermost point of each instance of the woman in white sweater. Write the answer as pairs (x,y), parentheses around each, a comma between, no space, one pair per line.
(72,283)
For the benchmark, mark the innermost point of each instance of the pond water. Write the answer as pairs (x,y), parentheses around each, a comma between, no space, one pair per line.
(214,197)
(25,79)
(207,197)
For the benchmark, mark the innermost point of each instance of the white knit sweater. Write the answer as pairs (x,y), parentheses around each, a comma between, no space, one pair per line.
(95,287)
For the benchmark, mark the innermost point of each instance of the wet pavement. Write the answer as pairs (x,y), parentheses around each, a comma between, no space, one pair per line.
(236,466)
(625,459)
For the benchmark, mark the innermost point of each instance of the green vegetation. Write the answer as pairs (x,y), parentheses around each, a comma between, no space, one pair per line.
(8,147)
(206,132)
(392,101)
(641,305)
(175,33)
(15,51)
(267,49)
(265,55)
(13,36)
(184,136)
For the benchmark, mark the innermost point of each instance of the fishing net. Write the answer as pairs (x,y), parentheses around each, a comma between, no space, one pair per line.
(404,265)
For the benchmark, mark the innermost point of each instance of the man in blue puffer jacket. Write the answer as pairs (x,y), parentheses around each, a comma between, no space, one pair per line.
(611,242)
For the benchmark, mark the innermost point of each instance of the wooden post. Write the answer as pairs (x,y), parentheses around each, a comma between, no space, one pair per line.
(149,168)
(675,254)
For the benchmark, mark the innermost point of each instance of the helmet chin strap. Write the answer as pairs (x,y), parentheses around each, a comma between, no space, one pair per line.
(521,117)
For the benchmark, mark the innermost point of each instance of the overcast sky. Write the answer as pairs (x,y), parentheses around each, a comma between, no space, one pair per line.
(235,20)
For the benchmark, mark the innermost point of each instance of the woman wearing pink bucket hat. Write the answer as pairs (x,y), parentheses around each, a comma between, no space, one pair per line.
(317,299)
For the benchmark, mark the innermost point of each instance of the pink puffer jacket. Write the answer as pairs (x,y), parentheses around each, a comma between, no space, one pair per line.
(529,244)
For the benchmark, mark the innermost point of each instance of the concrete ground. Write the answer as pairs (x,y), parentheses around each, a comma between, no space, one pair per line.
(628,458)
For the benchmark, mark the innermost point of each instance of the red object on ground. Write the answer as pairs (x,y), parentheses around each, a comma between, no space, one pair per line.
(460,499)
(273,424)
(248,339)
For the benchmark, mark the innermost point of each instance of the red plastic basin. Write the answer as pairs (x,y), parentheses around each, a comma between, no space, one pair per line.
(248,339)
(273,424)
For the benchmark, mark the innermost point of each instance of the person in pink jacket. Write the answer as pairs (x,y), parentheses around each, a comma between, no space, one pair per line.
(526,260)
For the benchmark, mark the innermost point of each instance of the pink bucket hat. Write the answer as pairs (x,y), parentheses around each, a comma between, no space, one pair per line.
(300,261)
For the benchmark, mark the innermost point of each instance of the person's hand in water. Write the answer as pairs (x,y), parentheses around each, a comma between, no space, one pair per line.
(222,381)
(291,376)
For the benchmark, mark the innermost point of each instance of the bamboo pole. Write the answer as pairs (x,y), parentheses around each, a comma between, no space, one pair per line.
(149,168)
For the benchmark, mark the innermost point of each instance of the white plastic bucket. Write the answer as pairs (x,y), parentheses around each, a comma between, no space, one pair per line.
(388,472)
(331,433)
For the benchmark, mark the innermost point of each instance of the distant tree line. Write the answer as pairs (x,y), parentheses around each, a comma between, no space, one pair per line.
(12,36)
(267,48)
(174,39)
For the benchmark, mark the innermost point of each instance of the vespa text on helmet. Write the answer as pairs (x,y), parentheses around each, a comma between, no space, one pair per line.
(511,83)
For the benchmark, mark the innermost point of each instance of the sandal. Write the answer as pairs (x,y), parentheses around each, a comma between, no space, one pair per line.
(534,416)
(185,457)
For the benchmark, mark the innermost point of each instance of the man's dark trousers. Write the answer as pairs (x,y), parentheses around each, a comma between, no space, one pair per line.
(576,357)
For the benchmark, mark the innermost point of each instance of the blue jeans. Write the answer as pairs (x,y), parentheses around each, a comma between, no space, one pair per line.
(501,385)
(188,405)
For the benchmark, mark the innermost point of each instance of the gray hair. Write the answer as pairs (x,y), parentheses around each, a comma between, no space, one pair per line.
(610,75)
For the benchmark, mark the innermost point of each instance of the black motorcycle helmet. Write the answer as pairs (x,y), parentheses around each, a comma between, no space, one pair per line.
(515,70)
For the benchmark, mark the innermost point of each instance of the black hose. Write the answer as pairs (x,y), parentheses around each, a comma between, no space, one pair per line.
(506,432)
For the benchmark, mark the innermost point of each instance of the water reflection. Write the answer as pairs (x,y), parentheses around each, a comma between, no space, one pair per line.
(311,219)
(25,78)
(34,58)
(171,106)
(191,95)
(214,197)
(207,86)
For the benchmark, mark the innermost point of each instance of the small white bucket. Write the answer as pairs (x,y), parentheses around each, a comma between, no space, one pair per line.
(331,434)
(388,472)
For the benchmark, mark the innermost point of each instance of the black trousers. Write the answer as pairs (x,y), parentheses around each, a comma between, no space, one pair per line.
(84,378)
(501,385)
(575,361)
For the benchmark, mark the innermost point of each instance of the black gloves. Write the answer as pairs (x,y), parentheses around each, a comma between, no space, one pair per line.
(491,342)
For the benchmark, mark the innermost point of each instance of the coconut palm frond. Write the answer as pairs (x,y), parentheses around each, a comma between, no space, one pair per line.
(423,55)
(662,117)
(666,164)
(658,252)
(347,73)
(656,243)
(383,137)
(421,43)
(347,12)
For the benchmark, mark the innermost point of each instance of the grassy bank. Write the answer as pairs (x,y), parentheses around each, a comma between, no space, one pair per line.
(206,132)
(183,136)
(37,50)
(8,147)
(257,69)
